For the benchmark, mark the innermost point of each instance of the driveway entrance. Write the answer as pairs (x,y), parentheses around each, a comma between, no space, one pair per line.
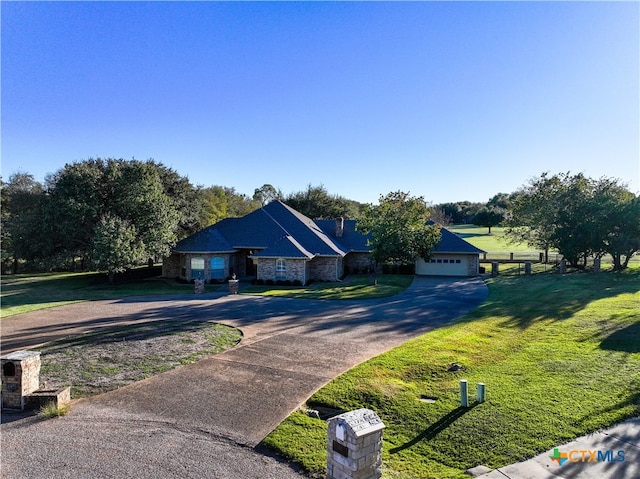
(290,349)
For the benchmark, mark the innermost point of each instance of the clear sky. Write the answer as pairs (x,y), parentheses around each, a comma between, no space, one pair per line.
(451,101)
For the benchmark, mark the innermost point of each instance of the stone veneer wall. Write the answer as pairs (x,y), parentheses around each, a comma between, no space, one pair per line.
(474,264)
(171,266)
(296,269)
(326,269)
(357,261)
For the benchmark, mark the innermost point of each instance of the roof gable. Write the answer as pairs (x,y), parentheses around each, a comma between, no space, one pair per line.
(286,247)
(262,229)
(208,239)
(452,243)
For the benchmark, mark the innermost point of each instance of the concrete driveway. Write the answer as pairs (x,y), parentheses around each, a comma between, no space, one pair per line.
(223,405)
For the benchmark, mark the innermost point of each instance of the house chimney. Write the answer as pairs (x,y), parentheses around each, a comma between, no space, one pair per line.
(339,227)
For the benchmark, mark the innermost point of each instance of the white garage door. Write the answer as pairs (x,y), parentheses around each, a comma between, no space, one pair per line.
(444,265)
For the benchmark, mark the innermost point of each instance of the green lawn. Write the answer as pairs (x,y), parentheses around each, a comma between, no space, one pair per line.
(354,287)
(559,355)
(496,242)
(22,293)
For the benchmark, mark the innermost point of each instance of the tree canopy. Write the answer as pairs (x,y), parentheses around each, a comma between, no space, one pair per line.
(578,216)
(399,228)
(316,203)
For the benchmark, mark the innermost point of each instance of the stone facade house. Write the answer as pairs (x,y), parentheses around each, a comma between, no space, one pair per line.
(277,242)
(274,243)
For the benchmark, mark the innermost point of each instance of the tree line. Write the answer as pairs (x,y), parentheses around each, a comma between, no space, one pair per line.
(111,214)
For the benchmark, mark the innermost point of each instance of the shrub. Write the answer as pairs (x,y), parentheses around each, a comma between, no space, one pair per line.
(269,282)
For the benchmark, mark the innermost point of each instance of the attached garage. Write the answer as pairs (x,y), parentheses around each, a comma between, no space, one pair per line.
(453,256)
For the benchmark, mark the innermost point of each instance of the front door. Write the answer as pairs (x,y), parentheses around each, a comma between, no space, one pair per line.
(250,268)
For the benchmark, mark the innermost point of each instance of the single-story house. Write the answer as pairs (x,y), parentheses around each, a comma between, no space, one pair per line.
(277,242)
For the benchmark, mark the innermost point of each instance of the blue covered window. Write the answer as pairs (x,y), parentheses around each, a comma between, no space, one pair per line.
(217,267)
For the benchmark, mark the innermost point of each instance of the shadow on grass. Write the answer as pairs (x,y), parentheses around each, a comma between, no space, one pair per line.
(523,300)
(126,333)
(626,339)
(436,428)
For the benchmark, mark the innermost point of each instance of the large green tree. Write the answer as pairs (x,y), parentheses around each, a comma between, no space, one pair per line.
(316,203)
(81,194)
(533,213)
(400,229)
(219,202)
(616,222)
(23,233)
(266,194)
(578,216)
(489,217)
(116,246)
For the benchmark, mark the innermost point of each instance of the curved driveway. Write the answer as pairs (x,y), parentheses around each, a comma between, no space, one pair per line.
(290,349)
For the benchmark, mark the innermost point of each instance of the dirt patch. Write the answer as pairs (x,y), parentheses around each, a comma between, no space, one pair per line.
(96,363)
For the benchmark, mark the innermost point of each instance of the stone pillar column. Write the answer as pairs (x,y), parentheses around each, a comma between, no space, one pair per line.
(494,269)
(596,265)
(354,448)
(563,266)
(527,268)
(20,377)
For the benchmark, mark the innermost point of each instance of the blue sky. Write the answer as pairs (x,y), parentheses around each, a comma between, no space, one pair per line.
(451,101)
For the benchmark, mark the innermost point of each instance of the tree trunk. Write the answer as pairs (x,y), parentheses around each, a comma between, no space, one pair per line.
(112,276)
(616,262)
(15,265)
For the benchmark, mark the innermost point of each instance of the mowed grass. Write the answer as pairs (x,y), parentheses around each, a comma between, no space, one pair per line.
(559,355)
(355,287)
(496,242)
(22,293)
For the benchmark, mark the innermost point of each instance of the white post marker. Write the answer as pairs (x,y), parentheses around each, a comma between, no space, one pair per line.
(464,395)
(480,393)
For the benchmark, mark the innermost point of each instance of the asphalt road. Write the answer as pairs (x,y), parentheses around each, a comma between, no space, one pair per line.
(203,420)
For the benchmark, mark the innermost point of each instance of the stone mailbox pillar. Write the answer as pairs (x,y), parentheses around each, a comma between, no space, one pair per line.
(596,265)
(527,268)
(20,377)
(354,449)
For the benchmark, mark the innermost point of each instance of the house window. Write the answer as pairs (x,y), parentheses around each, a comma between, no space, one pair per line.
(445,260)
(217,267)
(457,261)
(281,268)
(439,261)
(197,268)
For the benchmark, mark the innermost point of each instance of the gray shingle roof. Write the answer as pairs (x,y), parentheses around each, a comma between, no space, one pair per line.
(208,239)
(277,230)
(262,229)
(351,239)
(286,247)
(452,243)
